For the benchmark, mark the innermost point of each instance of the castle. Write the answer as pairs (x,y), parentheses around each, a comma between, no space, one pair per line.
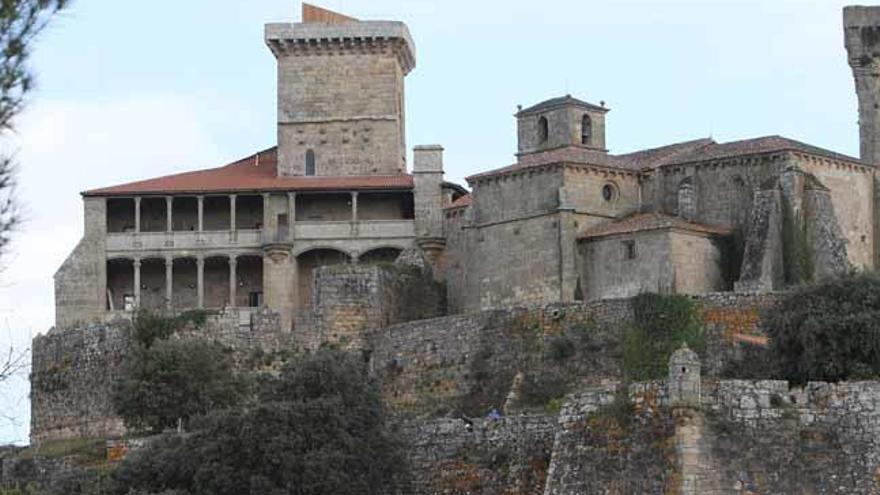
(568,221)
(315,240)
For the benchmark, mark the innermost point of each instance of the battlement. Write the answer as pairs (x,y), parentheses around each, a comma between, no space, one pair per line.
(306,38)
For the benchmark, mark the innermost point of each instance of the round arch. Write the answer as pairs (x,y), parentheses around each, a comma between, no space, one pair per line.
(381,254)
(306,263)
(687,199)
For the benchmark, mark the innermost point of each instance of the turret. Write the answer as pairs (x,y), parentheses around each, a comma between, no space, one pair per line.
(684,378)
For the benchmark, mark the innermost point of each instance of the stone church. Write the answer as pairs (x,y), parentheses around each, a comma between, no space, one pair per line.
(567,221)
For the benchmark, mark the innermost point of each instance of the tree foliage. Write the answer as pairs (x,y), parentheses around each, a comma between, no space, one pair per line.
(317,428)
(829,331)
(174,380)
(20,23)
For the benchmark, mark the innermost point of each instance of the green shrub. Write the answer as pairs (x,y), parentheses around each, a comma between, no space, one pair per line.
(542,386)
(621,409)
(561,348)
(317,428)
(755,362)
(150,327)
(830,331)
(662,324)
(86,449)
(554,406)
(174,380)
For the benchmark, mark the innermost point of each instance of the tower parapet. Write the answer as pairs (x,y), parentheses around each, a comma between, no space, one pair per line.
(341,94)
(862,39)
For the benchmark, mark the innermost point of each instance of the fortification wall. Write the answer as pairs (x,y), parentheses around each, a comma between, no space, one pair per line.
(468,363)
(748,437)
(426,366)
(73,369)
(505,456)
(353,301)
(71,375)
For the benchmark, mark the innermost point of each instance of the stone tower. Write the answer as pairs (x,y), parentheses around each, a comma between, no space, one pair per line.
(862,38)
(340,94)
(560,122)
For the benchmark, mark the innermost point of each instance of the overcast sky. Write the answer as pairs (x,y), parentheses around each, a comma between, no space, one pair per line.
(129,90)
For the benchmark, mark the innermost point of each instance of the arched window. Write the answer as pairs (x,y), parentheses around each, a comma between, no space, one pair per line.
(687,201)
(543,131)
(310,162)
(586,130)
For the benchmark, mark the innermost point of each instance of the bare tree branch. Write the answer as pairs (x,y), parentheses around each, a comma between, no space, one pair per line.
(14,362)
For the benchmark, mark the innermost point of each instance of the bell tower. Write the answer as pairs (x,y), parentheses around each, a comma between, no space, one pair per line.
(561,122)
(340,94)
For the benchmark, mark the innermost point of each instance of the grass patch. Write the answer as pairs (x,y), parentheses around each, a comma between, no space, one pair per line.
(85,449)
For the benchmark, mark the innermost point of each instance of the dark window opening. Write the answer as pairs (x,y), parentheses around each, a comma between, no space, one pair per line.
(543,130)
(310,162)
(609,192)
(586,130)
(255,299)
(629,250)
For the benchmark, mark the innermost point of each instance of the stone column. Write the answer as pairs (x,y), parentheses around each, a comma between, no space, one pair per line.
(169,277)
(291,214)
(169,206)
(233,280)
(232,212)
(137,214)
(200,281)
(201,200)
(354,206)
(137,282)
(267,219)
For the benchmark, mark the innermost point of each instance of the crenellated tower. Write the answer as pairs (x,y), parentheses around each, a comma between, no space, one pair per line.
(341,94)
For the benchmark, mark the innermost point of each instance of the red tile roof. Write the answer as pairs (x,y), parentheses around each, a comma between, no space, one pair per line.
(755,146)
(650,221)
(253,174)
(465,200)
(679,153)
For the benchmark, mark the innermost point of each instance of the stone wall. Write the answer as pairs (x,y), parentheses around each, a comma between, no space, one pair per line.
(504,456)
(73,369)
(80,282)
(724,193)
(598,449)
(71,375)
(745,436)
(438,366)
(426,365)
(608,273)
(350,302)
(508,263)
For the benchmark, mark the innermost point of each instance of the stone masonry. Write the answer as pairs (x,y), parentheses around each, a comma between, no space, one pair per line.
(457,297)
